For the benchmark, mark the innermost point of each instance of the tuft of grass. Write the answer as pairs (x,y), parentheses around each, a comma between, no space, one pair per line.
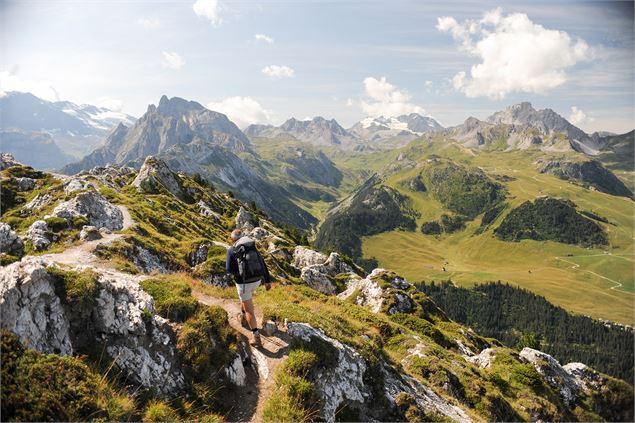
(172,297)
(75,287)
(160,411)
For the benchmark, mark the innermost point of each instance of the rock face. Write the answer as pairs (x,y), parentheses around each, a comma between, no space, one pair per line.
(10,242)
(244,220)
(95,207)
(589,172)
(318,271)
(344,383)
(554,374)
(120,317)
(155,174)
(7,161)
(39,235)
(379,288)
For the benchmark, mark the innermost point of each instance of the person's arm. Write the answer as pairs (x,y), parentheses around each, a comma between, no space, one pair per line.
(230,262)
(264,265)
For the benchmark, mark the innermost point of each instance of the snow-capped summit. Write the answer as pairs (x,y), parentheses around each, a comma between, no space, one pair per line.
(405,126)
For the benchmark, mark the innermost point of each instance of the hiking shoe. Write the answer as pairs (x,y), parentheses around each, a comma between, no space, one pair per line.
(256,342)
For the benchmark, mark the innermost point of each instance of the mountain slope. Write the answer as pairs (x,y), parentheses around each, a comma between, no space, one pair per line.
(317,131)
(34,149)
(76,129)
(378,350)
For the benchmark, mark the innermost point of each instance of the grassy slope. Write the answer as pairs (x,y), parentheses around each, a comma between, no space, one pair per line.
(586,289)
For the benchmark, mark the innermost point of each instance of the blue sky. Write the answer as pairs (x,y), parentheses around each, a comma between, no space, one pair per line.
(337,59)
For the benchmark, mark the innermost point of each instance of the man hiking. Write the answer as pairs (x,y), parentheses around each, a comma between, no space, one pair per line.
(248,267)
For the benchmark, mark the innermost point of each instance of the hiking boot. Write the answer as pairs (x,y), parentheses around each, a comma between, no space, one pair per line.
(256,342)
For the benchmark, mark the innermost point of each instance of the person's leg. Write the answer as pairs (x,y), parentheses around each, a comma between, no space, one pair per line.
(248,306)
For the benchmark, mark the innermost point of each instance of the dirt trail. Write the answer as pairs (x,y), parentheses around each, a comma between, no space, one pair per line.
(250,399)
(84,253)
(248,403)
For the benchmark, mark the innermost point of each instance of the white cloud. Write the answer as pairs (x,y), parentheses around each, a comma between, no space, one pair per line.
(428,84)
(12,82)
(578,117)
(149,23)
(172,60)
(276,71)
(109,103)
(242,111)
(516,54)
(384,99)
(264,38)
(208,9)
(349,102)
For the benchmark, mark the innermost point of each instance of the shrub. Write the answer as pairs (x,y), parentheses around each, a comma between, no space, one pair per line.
(56,224)
(206,342)
(40,387)
(526,374)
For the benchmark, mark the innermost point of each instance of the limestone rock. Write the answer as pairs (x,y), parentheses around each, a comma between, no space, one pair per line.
(7,161)
(369,293)
(39,235)
(77,184)
(236,372)
(345,382)
(206,211)
(25,184)
(30,308)
(39,201)
(303,257)
(484,359)
(95,207)
(155,173)
(316,277)
(269,328)
(554,374)
(10,242)
(198,254)
(244,220)
(89,233)
(121,317)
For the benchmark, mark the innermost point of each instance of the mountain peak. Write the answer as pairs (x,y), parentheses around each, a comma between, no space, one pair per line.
(176,106)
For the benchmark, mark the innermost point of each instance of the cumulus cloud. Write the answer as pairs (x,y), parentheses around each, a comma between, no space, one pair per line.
(149,23)
(385,99)
(11,82)
(578,117)
(172,60)
(243,111)
(516,54)
(264,38)
(208,9)
(278,72)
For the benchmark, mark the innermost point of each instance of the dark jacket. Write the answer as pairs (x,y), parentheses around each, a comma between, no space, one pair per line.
(231,264)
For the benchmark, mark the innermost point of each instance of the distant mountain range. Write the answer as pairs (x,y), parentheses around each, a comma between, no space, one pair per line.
(76,129)
(367,134)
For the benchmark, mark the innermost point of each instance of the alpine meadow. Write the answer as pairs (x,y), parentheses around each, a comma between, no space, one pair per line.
(216,210)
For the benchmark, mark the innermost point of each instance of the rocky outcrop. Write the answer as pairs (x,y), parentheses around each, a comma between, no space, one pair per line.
(554,374)
(25,184)
(244,220)
(344,383)
(92,205)
(120,317)
(484,359)
(10,242)
(89,233)
(155,174)
(590,173)
(39,235)
(39,201)
(380,288)
(7,161)
(318,271)
(303,257)
(206,211)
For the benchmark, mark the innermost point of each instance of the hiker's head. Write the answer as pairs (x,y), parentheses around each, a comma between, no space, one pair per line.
(236,234)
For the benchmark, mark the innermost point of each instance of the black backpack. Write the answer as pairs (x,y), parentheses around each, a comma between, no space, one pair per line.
(250,264)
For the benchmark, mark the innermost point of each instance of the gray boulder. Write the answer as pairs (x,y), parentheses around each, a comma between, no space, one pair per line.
(155,174)
(10,242)
(25,184)
(90,233)
(554,374)
(39,235)
(95,207)
(244,220)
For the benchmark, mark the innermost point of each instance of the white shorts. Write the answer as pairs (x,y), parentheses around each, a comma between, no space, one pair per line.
(246,290)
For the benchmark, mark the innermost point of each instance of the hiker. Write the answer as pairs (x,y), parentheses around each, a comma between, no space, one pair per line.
(248,267)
